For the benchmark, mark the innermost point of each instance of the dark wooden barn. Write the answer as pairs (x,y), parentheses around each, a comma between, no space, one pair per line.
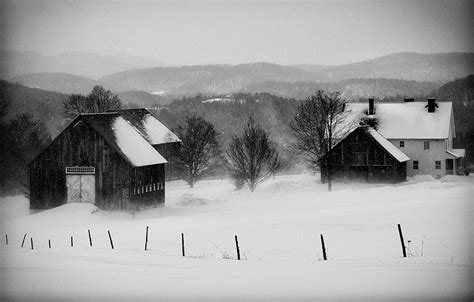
(107,159)
(365,155)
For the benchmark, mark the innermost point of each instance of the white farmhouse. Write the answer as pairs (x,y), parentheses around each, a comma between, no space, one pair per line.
(423,131)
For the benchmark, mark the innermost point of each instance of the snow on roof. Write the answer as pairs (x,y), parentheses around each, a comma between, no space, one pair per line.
(136,149)
(409,120)
(388,146)
(149,126)
(157,132)
(457,153)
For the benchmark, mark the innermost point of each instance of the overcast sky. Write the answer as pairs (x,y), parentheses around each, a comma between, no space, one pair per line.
(198,32)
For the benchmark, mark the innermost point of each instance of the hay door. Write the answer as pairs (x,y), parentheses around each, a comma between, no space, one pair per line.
(80,183)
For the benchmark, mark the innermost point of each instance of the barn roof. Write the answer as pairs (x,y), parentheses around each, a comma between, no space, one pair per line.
(410,120)
(124,138)
(148,126)
(388,146)
(379,139)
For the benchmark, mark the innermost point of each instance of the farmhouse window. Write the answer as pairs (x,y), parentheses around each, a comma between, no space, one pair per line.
(402,144)
(438,164)
(426,145)
(415,165)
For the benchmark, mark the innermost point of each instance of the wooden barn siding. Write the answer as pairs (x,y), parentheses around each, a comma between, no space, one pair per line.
(168,151)
(83,146)
(148,185)
(360,158)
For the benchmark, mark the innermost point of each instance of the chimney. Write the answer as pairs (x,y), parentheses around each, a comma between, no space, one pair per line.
(371,107)
(431,105)
(408,100)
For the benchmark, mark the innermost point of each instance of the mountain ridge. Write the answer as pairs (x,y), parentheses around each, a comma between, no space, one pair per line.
(87,64)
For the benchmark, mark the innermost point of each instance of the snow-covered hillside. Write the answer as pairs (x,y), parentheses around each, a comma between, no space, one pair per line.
(278,228)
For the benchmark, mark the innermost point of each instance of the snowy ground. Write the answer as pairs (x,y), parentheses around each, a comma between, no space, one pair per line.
(278,228)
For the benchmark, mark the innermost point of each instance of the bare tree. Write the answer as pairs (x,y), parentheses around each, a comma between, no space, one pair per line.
(199,149)
(98,100)
(318,125)
(251,156)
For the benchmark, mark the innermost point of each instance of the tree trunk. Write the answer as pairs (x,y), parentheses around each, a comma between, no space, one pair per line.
(329,177)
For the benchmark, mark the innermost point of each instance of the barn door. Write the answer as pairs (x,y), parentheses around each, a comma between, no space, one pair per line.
(80,183)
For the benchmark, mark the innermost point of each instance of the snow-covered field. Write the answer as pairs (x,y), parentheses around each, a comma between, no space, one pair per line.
(278,228)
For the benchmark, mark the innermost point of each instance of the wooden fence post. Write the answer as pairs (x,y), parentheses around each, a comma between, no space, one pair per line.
(90,238)
(49,243)
(182,244)
(237,247)
(146,239)
(111,243)
(23,242)
(402,241)
(323,246)
(72,242)
(31,241)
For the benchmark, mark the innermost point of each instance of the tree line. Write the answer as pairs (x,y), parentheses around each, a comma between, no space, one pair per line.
(249,156)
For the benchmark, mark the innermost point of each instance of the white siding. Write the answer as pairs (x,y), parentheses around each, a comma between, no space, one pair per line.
(414,149)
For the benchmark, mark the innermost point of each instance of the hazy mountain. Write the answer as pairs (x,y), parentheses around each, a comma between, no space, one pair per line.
(205,79)
(44,105)
(352,89)
(218,79)
(59,82)
(78,63)
(297,81)
(440,67)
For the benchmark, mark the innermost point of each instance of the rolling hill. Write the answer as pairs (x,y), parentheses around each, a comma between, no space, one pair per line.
(381,77)
(438,68)
(84,64)
(441,67)
(205,79)
(351,89)
(44,105)
(59,82)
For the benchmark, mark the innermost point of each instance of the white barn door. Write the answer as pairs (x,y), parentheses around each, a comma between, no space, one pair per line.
(80,183)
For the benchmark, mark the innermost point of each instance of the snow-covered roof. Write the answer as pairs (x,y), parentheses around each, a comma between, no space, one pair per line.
(388,146)
(124,138)
(149,126)
(457,153)
(136,149)
(410,120)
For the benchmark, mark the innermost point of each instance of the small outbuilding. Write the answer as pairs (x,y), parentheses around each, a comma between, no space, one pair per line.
(364,155)
(116,160)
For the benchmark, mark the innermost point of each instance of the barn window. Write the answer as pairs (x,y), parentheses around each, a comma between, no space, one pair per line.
(80,170)
(415,165)
(402,144)
(438,164)
(426,145)
(361,159)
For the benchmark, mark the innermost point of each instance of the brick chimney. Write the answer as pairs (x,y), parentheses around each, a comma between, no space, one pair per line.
(371,107)
(409,100)
(431,105)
